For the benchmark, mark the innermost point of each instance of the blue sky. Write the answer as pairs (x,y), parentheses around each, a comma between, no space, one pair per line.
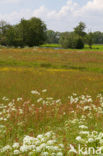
(59,15)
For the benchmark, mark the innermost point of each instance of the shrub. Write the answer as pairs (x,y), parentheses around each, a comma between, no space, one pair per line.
(79,43)
(71,40)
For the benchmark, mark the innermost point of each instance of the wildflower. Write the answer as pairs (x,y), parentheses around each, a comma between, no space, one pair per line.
(16,152)
(58,101)
(35,92)
(61,145)
(38,149)
(90,140)
(44,91)
(48,134)
(95,133)
(39,100)
(71,100)
(19,99)
(20,111)
(24,148)
(50,142)
(55,148)
(59,154)
(38,142)
(6,148)
(16,145)
(44,154)
(2,126)
(42,146)
(28,140)
(78,138)
(84,132)
(51,148)
(30,153)
(49,98)
(5,98)
(52,154)
(72,149)
(13,109)
(87,108)
(1,119)
(83,127)
(74,94)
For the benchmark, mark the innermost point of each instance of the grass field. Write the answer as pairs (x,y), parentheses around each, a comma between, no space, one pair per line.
(49,104)
(86,48)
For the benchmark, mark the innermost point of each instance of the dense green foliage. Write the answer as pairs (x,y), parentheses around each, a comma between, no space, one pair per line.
(52,36)
(71,40)
(80,29)
(98,37)
(74,40)
(27,33)
(79,37)
(89,39)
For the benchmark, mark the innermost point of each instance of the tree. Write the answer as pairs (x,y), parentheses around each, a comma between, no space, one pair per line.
(14,36)
(80,29)
(98,37)
(71,40)
(89,39)
(4,27)
(30,32)
(33,31)
(65,40)
(52,36)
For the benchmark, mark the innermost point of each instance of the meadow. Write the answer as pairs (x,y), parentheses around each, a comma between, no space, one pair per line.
(51,101)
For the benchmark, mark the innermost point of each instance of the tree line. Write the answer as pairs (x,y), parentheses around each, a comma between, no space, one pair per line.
(33,32)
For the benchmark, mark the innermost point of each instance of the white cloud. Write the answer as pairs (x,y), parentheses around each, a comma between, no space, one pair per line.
(66,18)
(94,5)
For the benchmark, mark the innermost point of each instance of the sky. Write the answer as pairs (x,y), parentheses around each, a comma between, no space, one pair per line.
(58,15)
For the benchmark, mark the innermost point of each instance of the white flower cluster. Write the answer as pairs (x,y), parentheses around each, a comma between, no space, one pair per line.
(47,144)
(35,92)
(85,137)
(48,101)
(80,99)
(43,145)
(86,104)
(5,110)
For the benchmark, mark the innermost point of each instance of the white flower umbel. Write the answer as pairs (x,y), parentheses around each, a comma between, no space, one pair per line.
(16,145)
(35,92)
(16,152)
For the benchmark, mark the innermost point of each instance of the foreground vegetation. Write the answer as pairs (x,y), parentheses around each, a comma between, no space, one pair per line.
(34,133)
(45,102)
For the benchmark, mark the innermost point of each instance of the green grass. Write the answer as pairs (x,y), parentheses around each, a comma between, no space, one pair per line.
(53,59)
(51,45)
(95,47)
(65,66)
